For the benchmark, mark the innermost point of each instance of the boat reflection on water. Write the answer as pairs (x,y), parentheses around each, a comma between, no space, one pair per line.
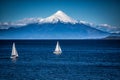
(14,60)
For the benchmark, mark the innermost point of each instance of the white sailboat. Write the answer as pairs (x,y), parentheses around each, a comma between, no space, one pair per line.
(57,49)
(14,53)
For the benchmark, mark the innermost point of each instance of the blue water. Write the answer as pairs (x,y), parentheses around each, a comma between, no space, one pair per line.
(80,60)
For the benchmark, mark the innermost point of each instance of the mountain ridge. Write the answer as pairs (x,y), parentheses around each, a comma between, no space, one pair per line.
(53,31)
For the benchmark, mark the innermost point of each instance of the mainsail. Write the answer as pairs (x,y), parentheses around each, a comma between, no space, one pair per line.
(57,49)
(14,53)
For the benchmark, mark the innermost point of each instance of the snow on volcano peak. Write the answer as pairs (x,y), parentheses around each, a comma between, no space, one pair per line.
(58,16)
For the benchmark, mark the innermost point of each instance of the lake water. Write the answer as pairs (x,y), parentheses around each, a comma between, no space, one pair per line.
(80,60)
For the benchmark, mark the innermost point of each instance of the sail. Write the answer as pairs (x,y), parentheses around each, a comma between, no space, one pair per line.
(14,51)
(58,48)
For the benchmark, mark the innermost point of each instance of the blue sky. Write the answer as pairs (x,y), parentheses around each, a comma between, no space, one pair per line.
(95,11)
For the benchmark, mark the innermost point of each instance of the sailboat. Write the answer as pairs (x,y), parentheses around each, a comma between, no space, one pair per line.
(14,53)
(57,49)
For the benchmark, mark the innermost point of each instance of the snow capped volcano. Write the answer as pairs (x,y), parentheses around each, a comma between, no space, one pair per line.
(44,28)
(61,17)
(58,16)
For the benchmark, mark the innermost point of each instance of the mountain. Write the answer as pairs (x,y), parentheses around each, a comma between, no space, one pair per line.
(57,26)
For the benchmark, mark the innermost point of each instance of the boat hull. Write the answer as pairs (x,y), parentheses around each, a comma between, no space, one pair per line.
(14,56)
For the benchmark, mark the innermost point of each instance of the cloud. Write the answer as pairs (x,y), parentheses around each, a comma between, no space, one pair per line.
(87,23)
(19,23)
(109,28)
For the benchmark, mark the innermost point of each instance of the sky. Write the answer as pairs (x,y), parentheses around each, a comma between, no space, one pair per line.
(93,11)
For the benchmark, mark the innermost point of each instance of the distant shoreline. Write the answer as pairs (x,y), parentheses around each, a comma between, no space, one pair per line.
(58,39)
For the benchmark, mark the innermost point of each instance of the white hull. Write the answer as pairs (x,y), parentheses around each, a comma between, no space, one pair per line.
(13,57)
(56,52)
